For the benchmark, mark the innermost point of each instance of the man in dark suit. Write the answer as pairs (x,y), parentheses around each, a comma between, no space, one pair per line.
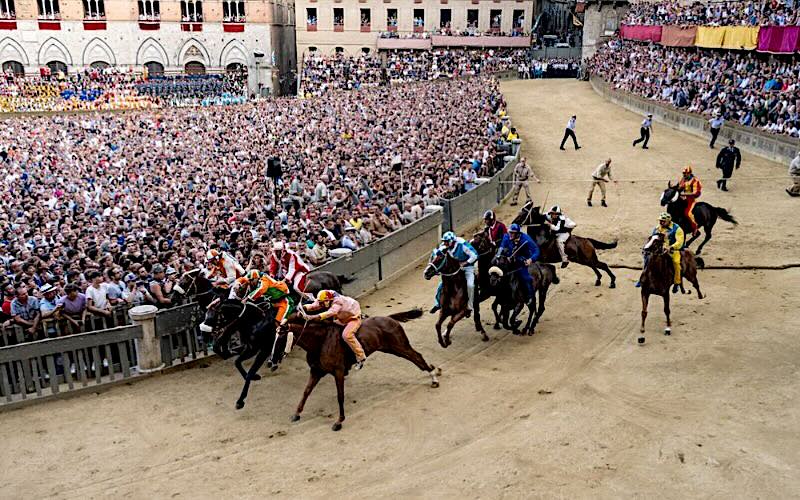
(728,159)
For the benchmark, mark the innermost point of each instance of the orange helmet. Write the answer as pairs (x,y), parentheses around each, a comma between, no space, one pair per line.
(687,170)
(253,274)
(325,295)
(212,254)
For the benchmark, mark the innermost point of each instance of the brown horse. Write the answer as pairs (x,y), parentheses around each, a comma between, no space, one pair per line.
(454,298)
(327,353)
(579,250)
(657,276)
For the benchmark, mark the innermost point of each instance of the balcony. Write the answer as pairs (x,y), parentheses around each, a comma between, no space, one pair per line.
(419,29)
(233,24)
(338,28)
(192,23)
(311,27)
(150,22)
(50,22)
(391,28)
(365,28)
(94,23)
(8,21)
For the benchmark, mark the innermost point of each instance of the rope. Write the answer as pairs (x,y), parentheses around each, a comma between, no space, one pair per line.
(778,267)
(560,181)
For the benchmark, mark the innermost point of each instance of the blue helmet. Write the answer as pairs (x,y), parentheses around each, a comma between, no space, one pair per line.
(449,237)
(514,228)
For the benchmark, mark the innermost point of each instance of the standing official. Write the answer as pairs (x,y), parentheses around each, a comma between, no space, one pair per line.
(716,124)
(522,172)
(570,132)
(794,173)
(600,176)
(647,126)
(728,159)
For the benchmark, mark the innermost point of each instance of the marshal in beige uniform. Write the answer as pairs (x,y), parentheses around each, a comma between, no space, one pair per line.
(522,172)
(600,176)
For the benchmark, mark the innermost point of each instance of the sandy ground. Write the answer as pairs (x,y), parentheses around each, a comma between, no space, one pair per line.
(578,410)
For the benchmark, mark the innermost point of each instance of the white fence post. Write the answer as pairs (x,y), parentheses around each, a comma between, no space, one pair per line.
(148,348)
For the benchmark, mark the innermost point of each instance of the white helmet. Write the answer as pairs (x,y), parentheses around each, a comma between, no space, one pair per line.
(212,254)
(555,209)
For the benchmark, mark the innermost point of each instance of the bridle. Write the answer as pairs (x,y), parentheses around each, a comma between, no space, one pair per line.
(438,270)
(195,273)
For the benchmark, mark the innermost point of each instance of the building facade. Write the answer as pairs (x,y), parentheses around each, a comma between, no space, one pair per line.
(354,26)
(164,36)
(601,20)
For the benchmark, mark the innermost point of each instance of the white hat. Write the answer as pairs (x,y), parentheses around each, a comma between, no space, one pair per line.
(277,245)
(47,287)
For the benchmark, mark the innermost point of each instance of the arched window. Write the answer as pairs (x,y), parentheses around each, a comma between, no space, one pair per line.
(154,68)
(48,9)
(149,10)
(236,68)
(56,66)
(94,9)
(99,65)
(365,50)
(192,11)
(7,10)
(312,49)
(233,11)
(14,67)
(339,50)
(195,68)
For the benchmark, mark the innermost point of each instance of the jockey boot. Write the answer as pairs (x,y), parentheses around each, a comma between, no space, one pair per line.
(675,288)
(589,202)
(638,284)
(434,309)
(719,183)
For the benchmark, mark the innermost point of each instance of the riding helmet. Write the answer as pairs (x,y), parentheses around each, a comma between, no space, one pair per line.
(514,228)
(488,215)
(665,216)
(449,237)
(687,169)
(325,295)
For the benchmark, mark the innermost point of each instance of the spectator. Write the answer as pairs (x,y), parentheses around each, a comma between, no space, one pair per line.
(25,311)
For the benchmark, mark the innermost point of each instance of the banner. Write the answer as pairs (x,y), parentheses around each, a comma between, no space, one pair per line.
(740,37)
(404,43)
(481,41)
(678,36)
(641,33)
(778,39)
(710,37)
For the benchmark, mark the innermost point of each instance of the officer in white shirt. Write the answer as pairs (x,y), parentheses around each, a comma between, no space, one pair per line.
(647,126)
(716,124)
(570,132)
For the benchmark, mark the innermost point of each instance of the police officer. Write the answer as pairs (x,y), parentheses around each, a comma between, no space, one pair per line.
(715,124)
(647,126)
(728,159)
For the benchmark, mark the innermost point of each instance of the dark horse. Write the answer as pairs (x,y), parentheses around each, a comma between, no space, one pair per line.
(704,214)
(513,294)
(579,250)
(657,276)
(256,326)
(454,295)
(327,353)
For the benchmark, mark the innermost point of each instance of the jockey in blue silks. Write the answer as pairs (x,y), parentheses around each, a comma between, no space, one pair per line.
(459,249)
(522,251)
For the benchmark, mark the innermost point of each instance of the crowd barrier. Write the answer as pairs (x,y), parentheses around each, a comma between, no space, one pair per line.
(774,147)
(151,340)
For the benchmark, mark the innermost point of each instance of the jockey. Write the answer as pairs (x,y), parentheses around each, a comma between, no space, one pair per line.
(673,242)
(467,256)
(522,251)
(344,311)
(223,268)
(263,285)
(562,227)
(494,228)
(291,265)
(690,189)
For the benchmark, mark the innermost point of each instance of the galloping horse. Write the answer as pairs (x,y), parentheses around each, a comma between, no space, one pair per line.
(704,213)
(579,250)
(513,294)
(657,276)
(256,326)
(326,352)
(454,295)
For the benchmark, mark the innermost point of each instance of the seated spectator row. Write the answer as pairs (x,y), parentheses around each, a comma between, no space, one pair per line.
(107,210)
(730,13)
(751,89)
(112,89)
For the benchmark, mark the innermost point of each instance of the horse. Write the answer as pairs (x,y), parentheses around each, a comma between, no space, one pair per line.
(454,296)
(327,353)
(504,278)
(324,280)
(657,276)
(195,284)
(704,213)
(256,326)
(579,250)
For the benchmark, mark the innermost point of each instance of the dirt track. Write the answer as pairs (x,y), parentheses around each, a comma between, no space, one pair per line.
(579,410)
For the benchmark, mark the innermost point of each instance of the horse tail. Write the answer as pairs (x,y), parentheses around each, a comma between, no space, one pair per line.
(599,245)
(701,264)
(345,279)
(725,215)
(405,316)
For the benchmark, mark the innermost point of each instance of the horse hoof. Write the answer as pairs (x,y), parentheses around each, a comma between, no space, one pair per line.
(667,331)
(516,332)
(497,326)
(597,283)
(239,405)
(612,285)
(531,332)
(337,426)
(640,340)
(255,377)
(273,367)
(485,338)
(434,385)
(295,417)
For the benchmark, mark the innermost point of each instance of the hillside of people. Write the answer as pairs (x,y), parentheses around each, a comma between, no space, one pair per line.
(723,13)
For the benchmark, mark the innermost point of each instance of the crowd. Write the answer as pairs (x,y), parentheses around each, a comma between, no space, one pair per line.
(322,73)
(743,87)
(552,67)
(112,89)
(109,209)
(730,13)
